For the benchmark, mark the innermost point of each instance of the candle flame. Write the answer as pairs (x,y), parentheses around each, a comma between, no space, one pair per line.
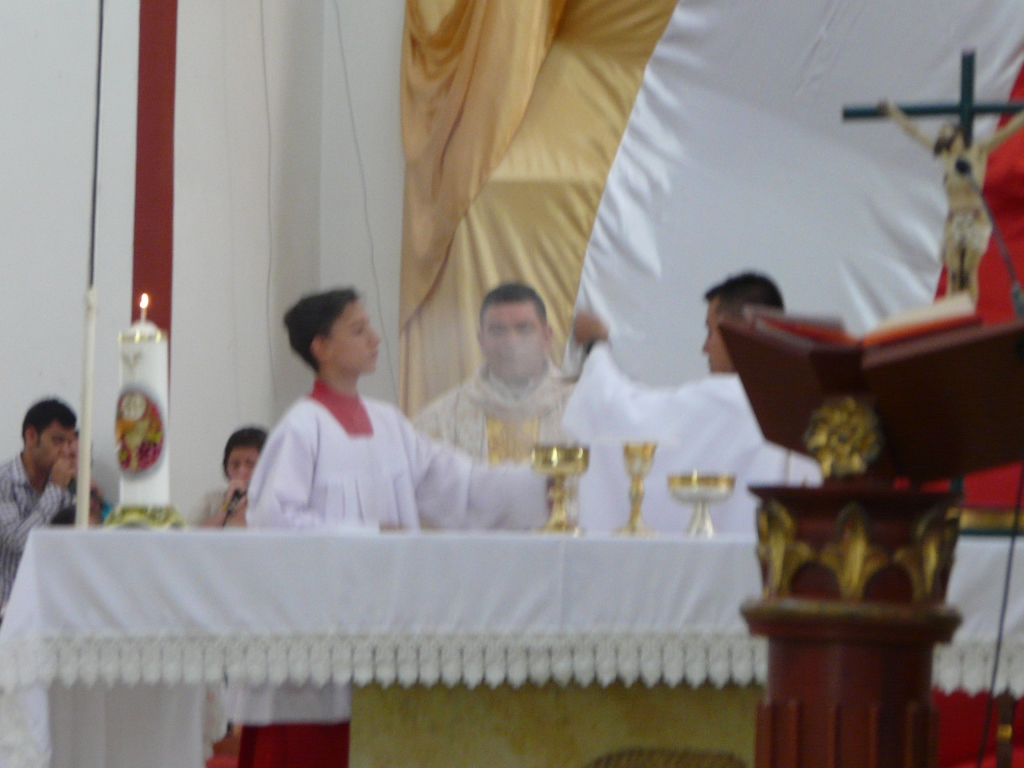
(144,301)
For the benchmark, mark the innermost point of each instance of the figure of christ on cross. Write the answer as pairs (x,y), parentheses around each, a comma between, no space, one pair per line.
(968,222)
(968,226)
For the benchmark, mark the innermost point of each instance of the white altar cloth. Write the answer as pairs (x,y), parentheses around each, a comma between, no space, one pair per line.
(158,616)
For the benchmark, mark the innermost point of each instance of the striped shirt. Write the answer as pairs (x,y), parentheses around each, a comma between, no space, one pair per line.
(21,510)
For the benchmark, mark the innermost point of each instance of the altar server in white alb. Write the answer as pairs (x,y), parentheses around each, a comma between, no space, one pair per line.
(338,461)
(705,425)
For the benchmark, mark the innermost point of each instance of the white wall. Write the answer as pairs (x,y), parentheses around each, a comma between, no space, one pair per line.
(47,102)
(270,203)
(362,167)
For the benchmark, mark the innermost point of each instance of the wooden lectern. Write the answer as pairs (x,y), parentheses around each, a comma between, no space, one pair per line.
(855,571)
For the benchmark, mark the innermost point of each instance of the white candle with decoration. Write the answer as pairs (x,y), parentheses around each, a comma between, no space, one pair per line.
(141,428)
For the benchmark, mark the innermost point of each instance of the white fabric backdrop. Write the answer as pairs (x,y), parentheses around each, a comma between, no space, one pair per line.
(735,157)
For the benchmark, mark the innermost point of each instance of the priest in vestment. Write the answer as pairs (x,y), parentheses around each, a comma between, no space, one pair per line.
(517,398)
(705,425)
(335,462)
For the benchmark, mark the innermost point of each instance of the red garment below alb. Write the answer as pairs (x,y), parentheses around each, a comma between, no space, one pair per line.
(348,410)
(294,746)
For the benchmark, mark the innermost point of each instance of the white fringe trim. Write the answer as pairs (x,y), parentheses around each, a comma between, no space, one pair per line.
(968,667)
(470,660)
(602,658)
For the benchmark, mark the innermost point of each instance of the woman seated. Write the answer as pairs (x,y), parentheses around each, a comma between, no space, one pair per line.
(221,508)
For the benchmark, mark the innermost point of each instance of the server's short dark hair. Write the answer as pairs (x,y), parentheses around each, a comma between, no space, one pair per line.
(46,412)
(246,437)
(513,293)
(313,316)
(743,290)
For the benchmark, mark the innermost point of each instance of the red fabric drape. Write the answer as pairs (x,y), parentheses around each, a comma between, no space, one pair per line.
(294,746)
(961,718)
(1004,190)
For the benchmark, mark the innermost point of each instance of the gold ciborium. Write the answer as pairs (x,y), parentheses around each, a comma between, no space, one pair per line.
(639,460)
(701,491)
(559,462)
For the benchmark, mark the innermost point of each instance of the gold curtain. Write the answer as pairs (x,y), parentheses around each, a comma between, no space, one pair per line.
(528,216)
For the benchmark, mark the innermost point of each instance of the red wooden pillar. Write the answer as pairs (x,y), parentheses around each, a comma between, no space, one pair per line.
(154,159)
(855,579)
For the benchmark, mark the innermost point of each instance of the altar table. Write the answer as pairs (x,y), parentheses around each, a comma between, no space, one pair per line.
(112,638)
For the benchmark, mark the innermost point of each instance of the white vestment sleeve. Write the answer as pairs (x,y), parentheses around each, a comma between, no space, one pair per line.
(606,402)
(704,426)
(454,492)
(507,497)
(279,493)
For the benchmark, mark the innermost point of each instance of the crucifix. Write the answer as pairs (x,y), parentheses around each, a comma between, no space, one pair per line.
(969,221)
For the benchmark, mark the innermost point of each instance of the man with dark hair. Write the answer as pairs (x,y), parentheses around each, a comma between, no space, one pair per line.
(728,299)
(705,425)
(725,299)
(221,508)
(34,484)
(339,461)
(514,293)
(517,398)
(746,288)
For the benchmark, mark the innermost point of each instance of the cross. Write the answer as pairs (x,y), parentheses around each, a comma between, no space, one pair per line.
(967,108)
(130,360)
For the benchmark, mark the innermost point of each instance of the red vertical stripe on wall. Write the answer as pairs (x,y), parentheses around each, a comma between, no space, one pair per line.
(154,160)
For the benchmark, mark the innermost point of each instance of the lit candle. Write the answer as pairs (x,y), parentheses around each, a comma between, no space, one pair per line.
(141,425)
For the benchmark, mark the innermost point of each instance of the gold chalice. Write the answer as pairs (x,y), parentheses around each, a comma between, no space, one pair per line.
(559,462)
(639,460)
(701,491)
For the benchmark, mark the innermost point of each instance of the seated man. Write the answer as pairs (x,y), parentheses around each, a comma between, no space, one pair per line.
(517,398)
(338,461)
(99,508)
(706,425)
(221,508)
(34,484)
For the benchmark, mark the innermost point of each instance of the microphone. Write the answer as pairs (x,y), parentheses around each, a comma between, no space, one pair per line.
(229,510)
(963,167)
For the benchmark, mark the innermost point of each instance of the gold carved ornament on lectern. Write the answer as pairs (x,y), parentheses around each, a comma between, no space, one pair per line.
(850,555)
